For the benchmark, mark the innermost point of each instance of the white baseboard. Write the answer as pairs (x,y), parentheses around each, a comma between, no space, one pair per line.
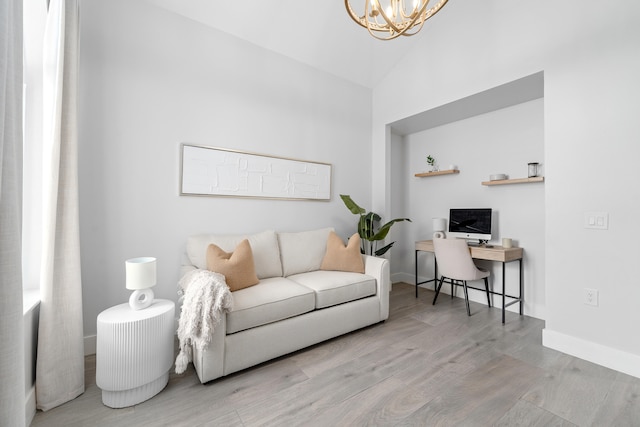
(89,345)
(402,277)
(30,405)
(612,358)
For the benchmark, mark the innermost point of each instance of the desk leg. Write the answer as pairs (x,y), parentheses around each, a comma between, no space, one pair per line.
(521,285)
(434,280)
(503,292)
(435,273)
(416,268)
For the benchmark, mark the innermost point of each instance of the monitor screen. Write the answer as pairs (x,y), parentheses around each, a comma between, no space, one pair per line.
(470,223)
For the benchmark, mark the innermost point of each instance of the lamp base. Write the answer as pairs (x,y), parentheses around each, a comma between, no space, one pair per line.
(438,235)
(141,298)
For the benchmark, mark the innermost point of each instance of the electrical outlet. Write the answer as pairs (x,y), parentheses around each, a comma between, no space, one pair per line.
(591,296)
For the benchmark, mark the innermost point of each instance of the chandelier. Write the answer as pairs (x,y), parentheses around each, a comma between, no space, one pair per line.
(388,19)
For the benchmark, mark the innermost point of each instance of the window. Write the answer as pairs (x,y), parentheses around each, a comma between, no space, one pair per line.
(34,18)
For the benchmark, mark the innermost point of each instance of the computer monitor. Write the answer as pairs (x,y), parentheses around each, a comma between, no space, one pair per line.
(470,224)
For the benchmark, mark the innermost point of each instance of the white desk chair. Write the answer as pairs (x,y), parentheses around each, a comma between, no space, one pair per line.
(455,263)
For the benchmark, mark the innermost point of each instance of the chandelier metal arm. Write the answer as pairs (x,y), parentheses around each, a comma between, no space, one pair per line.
(403,25)
(394,21)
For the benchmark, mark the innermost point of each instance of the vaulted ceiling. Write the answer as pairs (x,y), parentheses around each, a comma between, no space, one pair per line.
(317,33)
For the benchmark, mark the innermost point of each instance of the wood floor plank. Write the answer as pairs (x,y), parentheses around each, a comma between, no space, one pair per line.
(575,392)
(621,406)
(527,415)
(480,397)
(384,404)
(335,386)
(343,349)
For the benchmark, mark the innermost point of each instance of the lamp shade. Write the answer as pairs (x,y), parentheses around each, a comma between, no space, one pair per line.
(439,224)
(141,272)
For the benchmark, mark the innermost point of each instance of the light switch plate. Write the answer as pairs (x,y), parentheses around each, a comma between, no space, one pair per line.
(590,296)
(596,220)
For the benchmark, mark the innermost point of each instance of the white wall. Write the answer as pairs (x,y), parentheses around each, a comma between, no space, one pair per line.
(592,97)
(502,141)
(592,147)
(151,80)
(402,232)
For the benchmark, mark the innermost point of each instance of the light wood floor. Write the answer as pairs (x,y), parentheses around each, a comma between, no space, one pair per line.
(427,365)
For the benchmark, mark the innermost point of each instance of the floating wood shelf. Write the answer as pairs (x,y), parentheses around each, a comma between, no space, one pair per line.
(436,173)
(514,181)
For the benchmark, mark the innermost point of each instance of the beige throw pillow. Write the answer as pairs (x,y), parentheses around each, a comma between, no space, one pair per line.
(237,267)
(343,258)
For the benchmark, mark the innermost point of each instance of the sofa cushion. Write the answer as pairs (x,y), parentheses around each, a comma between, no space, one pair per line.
(266,256)
(236,267)
(302,251)
(339,257)
(270,300)
(336,287)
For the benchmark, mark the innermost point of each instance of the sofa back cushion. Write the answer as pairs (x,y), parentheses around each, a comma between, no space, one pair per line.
(264,247)
(303,251)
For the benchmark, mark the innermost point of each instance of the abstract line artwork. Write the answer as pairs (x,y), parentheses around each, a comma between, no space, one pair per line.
(211,171)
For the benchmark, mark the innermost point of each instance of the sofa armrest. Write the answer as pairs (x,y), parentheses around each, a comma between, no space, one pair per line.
(380,270)
(209,362)
(185,265)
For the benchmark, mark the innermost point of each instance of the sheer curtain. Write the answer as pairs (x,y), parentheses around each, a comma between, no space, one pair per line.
(12,382)
(60,362)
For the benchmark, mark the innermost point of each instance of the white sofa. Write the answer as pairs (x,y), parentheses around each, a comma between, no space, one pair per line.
(294,305)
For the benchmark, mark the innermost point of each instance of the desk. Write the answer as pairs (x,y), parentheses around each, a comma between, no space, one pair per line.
(494,253)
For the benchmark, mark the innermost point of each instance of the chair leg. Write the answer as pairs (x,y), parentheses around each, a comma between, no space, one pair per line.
(437,291)
(452,287)
(466,297)
(486,286)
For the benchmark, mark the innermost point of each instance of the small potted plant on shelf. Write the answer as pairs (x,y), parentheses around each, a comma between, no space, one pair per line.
(432,163)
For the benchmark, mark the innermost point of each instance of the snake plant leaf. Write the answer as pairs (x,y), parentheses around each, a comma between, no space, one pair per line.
(384,230)
(351,205)
(384,249)
(367,225)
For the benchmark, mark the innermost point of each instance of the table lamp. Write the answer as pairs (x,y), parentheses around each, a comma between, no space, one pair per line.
(141,277)
(439,225)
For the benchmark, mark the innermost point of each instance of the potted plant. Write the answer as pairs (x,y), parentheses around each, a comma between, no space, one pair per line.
(432,162)
(369,229)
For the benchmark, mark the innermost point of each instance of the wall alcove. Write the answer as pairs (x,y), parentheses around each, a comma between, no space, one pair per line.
(498,130)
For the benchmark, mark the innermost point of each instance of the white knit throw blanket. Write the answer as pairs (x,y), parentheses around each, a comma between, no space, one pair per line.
(205,300)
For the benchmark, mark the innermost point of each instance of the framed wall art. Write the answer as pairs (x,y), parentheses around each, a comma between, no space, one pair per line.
(212,171)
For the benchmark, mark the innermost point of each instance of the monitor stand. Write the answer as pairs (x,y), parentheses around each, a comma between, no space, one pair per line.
(480,242)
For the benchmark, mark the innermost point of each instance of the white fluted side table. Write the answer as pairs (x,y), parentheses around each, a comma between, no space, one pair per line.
(134,352)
